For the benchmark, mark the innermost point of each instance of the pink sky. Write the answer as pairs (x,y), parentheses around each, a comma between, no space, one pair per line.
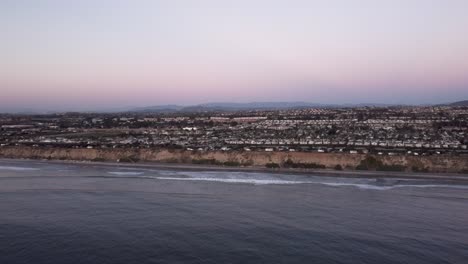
(94,54)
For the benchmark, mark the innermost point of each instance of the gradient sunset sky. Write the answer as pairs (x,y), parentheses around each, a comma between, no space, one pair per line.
(98,54)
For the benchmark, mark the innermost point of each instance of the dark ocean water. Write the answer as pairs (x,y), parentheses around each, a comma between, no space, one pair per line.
(53,213)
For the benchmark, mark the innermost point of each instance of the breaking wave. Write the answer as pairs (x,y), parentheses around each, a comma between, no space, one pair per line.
(377,187)
(125,173)
(15,168)
(251,181)
(368,186)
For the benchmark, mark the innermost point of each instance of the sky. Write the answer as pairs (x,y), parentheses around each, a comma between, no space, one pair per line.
(101,54)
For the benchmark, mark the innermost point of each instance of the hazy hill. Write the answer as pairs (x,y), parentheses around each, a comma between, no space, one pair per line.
(225,106)
(157,108)
(460,103)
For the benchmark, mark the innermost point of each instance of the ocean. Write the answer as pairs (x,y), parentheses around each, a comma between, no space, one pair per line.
(85,213)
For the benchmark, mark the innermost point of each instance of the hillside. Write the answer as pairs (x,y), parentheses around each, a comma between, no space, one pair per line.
(460,103)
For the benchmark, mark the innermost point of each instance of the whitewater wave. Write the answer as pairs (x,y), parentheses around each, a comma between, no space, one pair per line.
(367,186)
(15,168)
(250,181)
(125,173)
(377,187)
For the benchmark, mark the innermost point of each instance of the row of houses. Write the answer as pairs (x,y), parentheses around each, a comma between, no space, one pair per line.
(375,143)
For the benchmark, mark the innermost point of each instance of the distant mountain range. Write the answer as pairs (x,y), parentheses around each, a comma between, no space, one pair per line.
(225,106)
(208,107)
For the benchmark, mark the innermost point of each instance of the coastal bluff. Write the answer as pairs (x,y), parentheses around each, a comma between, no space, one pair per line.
(341,161)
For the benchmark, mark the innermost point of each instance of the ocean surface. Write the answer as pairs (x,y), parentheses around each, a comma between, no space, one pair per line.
(83,213)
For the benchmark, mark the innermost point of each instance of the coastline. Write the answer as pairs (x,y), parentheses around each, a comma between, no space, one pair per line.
(294,161)
(446,177)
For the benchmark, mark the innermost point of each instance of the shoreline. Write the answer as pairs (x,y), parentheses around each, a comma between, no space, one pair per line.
(458,177)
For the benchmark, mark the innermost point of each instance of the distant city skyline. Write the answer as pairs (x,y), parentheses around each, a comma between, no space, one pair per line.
(102,54)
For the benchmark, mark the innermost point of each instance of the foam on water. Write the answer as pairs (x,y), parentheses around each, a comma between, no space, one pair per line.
(16,168)
(250,181)
(257,178)
(125,173)
(368,186)
(377,187)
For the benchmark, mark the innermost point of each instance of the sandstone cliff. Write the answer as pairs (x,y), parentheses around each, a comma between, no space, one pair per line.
(327,160)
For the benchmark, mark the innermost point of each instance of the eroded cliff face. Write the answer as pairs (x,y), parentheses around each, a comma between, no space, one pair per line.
(329,160)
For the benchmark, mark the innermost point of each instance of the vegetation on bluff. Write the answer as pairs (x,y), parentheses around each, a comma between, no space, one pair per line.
(371,163)
(291,164)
